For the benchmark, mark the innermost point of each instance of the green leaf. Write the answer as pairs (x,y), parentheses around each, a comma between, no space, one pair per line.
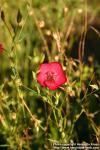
(42,58)
(1,87)
(34,75)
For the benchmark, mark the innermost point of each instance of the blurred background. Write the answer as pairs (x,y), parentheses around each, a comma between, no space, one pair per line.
(34,32)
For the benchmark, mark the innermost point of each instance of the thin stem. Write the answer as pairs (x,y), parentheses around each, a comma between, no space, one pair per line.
(32,116)
(31,90)
(85,29)
(87,88)
(8,29)
(90,94)
(41,34)
(22,27)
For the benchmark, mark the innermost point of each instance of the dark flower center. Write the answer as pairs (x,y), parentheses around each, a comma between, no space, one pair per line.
(50,76)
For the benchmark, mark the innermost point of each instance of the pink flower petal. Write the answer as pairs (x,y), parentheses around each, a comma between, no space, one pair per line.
(1,48)
(51,85)
(42,73)
(56,67)
(60,75)
(44,68)
(60,80)
(55,70)
(41,79)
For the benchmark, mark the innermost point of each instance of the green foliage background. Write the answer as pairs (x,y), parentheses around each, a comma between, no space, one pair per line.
(34,32)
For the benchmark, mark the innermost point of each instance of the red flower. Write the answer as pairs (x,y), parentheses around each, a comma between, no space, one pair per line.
(1,48)
(51,75)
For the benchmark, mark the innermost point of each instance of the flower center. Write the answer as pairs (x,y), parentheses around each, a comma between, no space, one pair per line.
(50,76)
